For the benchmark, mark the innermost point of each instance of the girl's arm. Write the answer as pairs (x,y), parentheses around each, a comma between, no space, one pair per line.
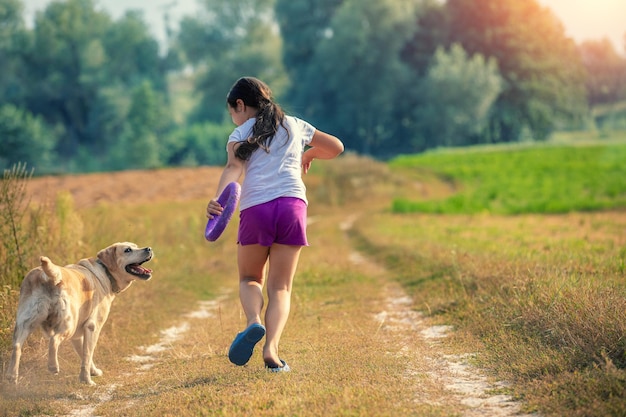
(232,172)
(322,146)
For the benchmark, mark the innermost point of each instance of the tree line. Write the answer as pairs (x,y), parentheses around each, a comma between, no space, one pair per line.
(81,91)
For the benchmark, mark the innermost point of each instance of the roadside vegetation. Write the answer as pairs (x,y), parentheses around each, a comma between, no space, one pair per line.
(539,298)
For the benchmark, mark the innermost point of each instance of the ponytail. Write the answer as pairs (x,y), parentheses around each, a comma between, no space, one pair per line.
(270,116)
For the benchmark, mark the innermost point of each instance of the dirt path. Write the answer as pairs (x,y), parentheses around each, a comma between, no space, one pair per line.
(147,357)
(410,336)
(423,347)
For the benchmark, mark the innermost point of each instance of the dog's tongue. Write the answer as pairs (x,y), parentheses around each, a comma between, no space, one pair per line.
(138,269)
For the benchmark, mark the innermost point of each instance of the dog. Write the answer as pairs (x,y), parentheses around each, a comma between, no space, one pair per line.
(73,302)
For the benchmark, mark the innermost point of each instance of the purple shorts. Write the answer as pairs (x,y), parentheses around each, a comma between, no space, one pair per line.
(282,221)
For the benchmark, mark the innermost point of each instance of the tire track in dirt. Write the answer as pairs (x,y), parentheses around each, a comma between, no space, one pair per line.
(148,357)
(423,348)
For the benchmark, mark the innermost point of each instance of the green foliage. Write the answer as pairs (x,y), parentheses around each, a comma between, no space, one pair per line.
(138,147)
(132,53)
(359,100)
(610,117)
(198,144)
(229,40)
(385,76)
(10,21)
(12,33)
(303,25)
(456,96)
(551,179)
(431,32)
(24,138)
(606,72)
(66,59)
(541,67)
(74,70)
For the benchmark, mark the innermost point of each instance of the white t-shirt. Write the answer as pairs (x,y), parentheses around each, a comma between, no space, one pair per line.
(278,173)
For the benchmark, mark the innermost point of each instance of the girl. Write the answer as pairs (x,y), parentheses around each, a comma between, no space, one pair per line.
(269,147)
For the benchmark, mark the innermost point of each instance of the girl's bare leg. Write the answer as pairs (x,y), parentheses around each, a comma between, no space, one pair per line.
(283,261)
(251,260)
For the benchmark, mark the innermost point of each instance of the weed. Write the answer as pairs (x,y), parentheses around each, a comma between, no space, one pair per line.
(13,205)
(15,245)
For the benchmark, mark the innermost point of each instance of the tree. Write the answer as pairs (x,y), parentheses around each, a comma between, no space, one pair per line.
(229,40)
(303,25)
(78,67)
(355,79)
(64,67)
(12,38)
(542,71)
(605,72)
(432,31)
(133,54)
(138,147)
(198,144)
(24,139)
(456,97)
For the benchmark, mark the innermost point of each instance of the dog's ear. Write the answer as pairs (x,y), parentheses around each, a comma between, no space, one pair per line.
(107,257)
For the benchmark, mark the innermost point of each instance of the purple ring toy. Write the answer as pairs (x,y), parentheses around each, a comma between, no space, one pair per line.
(228,200)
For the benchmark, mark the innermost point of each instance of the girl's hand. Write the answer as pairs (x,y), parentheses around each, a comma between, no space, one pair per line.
(306,164)
(322,146)
(213,209)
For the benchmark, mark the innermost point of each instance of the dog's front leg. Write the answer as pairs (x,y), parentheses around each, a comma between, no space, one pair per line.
(78,347)
(53,349)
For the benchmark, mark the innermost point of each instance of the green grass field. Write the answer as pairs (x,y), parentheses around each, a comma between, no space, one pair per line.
(527,179)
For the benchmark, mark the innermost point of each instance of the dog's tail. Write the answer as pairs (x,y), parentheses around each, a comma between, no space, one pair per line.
(51,270)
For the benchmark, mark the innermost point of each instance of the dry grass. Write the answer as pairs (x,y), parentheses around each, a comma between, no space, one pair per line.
(532,294)
(342,364)
(542,297)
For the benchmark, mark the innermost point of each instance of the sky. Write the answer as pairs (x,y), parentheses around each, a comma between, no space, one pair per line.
(582,19)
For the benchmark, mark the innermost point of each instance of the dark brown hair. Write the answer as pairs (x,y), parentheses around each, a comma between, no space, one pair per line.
(255,93)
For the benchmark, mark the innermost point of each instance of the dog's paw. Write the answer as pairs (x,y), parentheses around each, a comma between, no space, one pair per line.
(54,369)
(96,372)
(87,381)
(85,378)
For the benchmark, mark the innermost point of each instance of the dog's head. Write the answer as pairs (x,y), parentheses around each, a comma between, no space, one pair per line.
(124,261)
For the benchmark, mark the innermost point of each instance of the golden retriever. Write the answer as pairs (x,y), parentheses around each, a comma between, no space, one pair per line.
(73,302)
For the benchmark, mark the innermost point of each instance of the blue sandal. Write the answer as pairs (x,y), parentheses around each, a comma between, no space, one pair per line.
(276,368)
(241,349)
